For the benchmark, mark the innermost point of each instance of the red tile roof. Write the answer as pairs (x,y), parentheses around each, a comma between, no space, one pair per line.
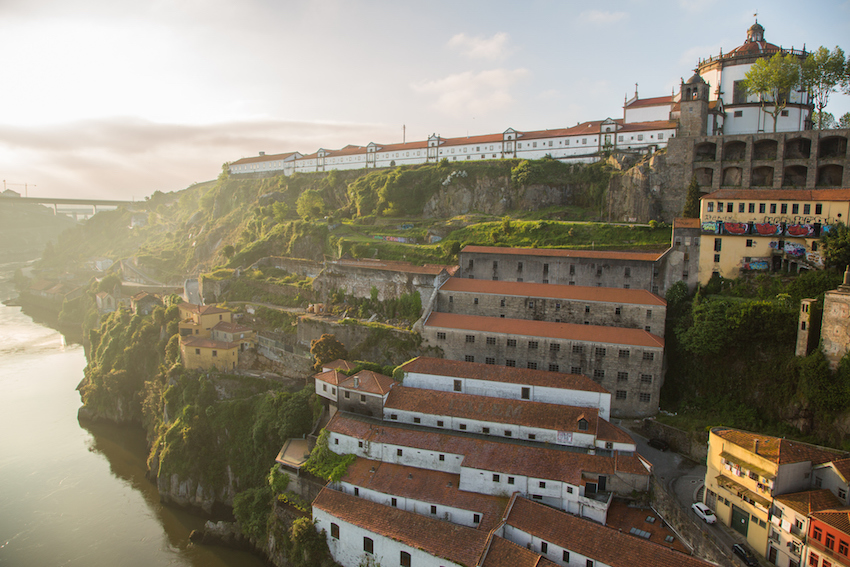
(260,159)
(623,517)
(504,553)
(838,519)
(781,194)
(368,381)
(488,454)
(583,129)
(548,329)
(565,253)
(482,139)
(446,540)
(493,373)
(226,327)
(496,410)
(339,364)
(681,222)
(592,540)
(554,291)
(810,501)
(843,468)
(654,101)
(644,126)
(330,377)
(776,450)
(434,487)
(418,145)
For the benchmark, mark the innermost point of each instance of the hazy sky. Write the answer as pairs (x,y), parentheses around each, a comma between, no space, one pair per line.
(112,98)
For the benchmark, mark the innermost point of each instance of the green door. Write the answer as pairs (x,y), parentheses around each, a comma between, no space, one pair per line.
(740,520)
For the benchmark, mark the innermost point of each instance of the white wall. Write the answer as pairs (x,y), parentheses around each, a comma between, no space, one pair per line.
(411,457)
(648,113)
(555,553)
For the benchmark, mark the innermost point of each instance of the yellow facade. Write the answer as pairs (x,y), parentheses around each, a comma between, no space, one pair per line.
(205,354)
(201,319)
(766,230)
(741,502)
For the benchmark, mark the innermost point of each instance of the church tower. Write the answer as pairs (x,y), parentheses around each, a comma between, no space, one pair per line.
(693,104)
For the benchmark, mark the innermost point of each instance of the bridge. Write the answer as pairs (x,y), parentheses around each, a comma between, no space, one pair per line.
(56,201)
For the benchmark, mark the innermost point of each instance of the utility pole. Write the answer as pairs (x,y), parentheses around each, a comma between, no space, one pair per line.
(403,134)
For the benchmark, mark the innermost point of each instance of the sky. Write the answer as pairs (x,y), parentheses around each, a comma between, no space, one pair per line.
(118,99)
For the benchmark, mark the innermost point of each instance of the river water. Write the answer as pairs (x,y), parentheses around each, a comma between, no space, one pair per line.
(71,494)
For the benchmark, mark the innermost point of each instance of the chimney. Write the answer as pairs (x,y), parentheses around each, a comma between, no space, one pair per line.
(356,382)
(262,153)
(756,449)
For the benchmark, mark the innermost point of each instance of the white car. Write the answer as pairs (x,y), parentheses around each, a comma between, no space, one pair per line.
(704,512)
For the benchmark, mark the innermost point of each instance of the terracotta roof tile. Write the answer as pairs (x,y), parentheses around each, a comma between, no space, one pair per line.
(810,501)
(226,327)
(434,487)
(776,450)
(838,519)
(330,377)
(554,291)
(592,540)
(497,410)
(681,222)
(623,516)
(202,342)
(454,542)
(565,253)
(481,139)
(643,126)
(843,468)
(487,454)
(339,364)
(504,553)
(493,373)
(607,431)
(654,101)
(260,159)
(548,329)
(368,381)
(781,194)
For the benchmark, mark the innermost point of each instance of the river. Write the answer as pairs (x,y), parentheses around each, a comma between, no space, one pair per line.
(71,494)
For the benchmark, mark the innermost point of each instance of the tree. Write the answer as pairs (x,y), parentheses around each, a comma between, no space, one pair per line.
(824,120)
(228,251)
(836,246)
(310,205)
(326,349)
(822,72)
(692,200)
(844,121)
(772,80)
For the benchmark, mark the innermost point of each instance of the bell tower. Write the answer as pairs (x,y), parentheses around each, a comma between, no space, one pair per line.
(693,104)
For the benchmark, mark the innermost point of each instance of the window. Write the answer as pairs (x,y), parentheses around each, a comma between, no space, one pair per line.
(542,484)
(752,208)
(531,304)
(347,395)
(470,338)
(842,494)
(814,559)
(215,353)
(519,266)
(417,420)
(565,557)
(440,424)
(589,563)
(362,398)
(334,531)
(485,430)
(433,509)
(718,244)
(622,376)
(496,478)
(394,416)
(511,342)
(582,424)
(368,545)
(842,547)
(510,363)
(600,351)
(818,209)
(624,353)
(489,360)
(554,347)
(572,269)
(830,541)
(441,336)
(628,272)
(462,427)
(807,209)
(761,207)
(532,436)
(621,395)
(739,113)
(531,365)
(645,397)
(618,310)
(646,378)
(197,351)
(750,243)
(356,491)
(729,207)
(784,208)
(457,385)
(399,452)
(795,209)
(475,301)
(469,358)
(710,207)
(394,503)
(719,206)
(553,368)
(575,369)
(491,340)
(817,534)
(649,356)
(598,375)
(404,559)
(741,207)
(476,518)
(544,547)
(510,480)
(773,208)
(508,433)
(649,313)
(587,308)
(532,345)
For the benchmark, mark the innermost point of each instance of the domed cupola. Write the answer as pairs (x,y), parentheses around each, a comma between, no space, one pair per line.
(755,33)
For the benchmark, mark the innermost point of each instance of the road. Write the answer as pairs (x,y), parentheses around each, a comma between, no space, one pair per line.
(685,479)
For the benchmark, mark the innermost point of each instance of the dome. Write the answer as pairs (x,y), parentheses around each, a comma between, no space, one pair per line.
(695,80)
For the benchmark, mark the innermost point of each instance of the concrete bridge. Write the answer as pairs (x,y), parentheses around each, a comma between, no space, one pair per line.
(57,201)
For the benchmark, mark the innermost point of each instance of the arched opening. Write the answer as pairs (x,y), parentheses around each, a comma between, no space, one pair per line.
(799,148)
(704,176)
(706,151)
(795,176)
(762,176)
(832,147)
(734,151)
(732,176)
(830,175)
(765,149)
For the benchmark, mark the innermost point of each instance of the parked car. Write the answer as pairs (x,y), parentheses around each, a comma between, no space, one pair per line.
(659,444)
(745,554)
(704,512)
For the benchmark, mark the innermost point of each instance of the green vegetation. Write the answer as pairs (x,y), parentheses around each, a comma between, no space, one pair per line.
(326,464)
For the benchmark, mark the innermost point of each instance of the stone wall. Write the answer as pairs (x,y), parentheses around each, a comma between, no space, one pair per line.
(358,281)
(692,444)
(305,268)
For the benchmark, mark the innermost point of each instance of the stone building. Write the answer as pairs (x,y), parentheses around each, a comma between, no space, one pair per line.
(364,393)
(627,362)
(605,306)
(390,278)
(835,326)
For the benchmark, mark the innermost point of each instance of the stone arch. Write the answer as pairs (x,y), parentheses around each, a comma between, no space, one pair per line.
(765,150)
(795,176)
(830,175)
(798,148)
(832,147)
(704,176)
(732,176)
(734,150)
(762,176)
(706,151)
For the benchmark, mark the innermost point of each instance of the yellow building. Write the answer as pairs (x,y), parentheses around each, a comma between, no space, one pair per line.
(770,230)
(198,320)
(745,471)
(200,353)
